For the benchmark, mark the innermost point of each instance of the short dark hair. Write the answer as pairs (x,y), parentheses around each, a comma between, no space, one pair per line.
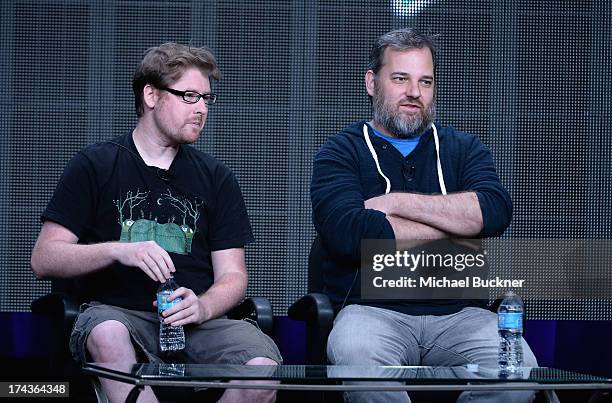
(163,65)
(401,39)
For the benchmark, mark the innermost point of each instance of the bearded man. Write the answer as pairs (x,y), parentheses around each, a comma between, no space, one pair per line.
(399,176)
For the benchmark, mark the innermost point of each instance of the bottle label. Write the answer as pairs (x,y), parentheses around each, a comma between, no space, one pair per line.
(510,321)
(163,303)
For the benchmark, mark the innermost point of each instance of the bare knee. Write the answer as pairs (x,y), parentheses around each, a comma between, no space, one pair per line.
(261,361)
(110,341)
(252,395)
(258,395)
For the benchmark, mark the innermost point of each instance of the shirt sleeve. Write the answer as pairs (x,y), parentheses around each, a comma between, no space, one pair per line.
(481,177)
(230,226)
(337,196)
(73,201)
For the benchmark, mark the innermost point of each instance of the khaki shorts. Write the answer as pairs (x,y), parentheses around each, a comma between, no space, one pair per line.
(221,341)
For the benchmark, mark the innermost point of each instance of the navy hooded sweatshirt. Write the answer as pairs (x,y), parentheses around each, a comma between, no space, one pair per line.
(345,175)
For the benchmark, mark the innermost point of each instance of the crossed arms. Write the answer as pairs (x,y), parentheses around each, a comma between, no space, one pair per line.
(347,206)
(417,216)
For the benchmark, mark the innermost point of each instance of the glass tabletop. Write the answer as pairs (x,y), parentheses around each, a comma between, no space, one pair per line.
(196,374)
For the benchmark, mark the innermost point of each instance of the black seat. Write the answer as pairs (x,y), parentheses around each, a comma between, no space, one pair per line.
(315,309)
(61,310)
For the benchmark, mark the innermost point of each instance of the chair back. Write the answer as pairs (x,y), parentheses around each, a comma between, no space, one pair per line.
(315,260)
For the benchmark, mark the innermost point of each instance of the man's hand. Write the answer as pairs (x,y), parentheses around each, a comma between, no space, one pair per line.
(380,203)
(148,256)
(189,310)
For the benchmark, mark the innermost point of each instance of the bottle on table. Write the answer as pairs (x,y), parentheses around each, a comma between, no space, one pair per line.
(171,338)
(171,369)
(510,329)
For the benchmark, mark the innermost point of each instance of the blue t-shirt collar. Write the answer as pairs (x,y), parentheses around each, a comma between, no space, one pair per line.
(404,146)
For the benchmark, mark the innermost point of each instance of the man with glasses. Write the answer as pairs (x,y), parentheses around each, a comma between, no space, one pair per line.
(132,212)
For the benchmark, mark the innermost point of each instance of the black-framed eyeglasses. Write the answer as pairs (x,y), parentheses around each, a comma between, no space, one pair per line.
(192,97)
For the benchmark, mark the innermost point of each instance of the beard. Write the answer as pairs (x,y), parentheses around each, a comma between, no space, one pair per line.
(402,126)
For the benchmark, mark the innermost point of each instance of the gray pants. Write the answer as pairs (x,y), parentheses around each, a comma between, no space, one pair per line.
(364,335)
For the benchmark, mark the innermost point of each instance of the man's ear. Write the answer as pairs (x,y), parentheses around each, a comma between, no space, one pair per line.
(150,96)
(369,82)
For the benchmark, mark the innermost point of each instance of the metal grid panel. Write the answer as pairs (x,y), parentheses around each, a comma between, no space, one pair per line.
(531,78)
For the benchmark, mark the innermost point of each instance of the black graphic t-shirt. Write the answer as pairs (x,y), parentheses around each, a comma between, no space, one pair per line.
(108,193)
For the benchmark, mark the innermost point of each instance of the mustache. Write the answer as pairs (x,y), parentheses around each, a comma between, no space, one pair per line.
(413,101)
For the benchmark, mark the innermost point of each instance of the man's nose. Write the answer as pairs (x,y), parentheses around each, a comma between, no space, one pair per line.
(202,106)
(413,89)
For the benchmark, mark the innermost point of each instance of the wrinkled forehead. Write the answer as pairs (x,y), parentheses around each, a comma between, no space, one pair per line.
(420,59)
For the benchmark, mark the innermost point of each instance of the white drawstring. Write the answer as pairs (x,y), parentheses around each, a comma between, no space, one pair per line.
(387,181)
(440,175)
(373,152)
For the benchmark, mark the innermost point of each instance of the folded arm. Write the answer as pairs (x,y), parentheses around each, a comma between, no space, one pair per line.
(405,229)
(455,214)
(482,209)
(337,202)
(481,206)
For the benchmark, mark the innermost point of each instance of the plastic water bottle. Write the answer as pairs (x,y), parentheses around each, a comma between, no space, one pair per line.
(171,369)
(510,328)
(171,338)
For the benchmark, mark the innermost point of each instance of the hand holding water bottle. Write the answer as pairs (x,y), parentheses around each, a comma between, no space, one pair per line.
(171,338)
(185,308)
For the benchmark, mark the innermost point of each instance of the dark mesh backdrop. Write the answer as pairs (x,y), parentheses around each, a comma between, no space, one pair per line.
(531,78)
